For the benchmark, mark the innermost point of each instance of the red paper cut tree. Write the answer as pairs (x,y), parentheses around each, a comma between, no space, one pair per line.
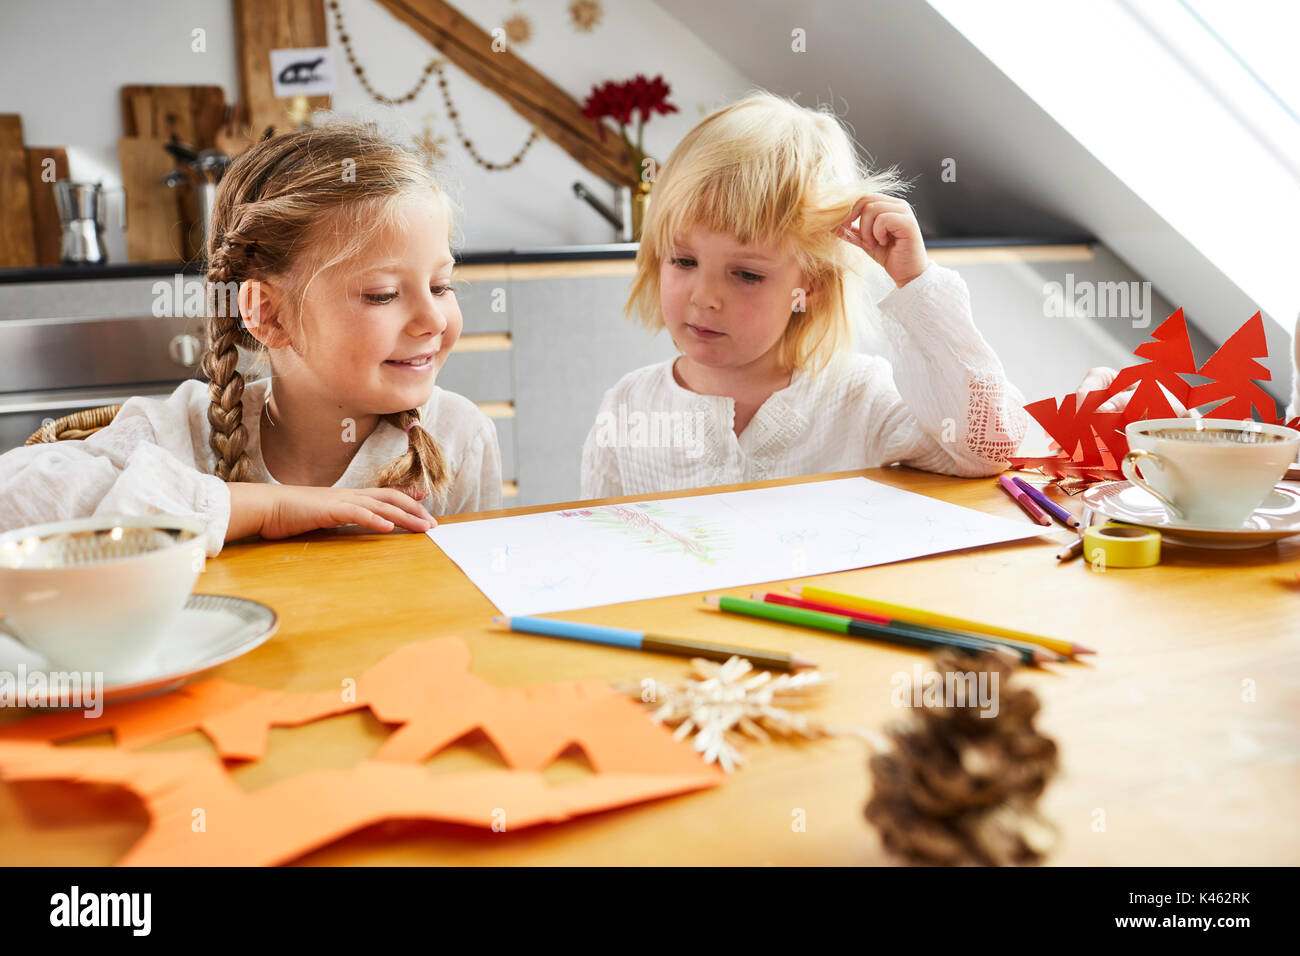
(1234,371)
(1092,442)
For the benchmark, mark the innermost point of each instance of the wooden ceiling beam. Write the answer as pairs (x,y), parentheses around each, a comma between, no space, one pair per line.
(529,93)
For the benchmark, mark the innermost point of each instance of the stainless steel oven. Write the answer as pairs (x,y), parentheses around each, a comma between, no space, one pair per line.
(74,345)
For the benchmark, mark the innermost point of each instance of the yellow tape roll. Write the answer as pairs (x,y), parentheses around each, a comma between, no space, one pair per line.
(1121,546)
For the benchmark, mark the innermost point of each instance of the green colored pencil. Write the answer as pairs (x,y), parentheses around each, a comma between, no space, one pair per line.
(839,624)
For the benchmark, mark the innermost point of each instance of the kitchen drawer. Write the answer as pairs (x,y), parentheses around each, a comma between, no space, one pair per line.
(506,439)
(43,354)
(480,369)
(476,300)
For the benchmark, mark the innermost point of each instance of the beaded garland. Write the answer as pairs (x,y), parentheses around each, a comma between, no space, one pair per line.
(435,65)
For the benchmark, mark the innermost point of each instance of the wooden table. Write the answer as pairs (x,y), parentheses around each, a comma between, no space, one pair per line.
(1180,741)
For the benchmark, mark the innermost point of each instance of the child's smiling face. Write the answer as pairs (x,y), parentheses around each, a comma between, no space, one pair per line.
(380,327)
(725,304)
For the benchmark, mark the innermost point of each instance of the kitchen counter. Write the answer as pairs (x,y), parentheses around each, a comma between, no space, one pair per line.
(623,250)
(137,270)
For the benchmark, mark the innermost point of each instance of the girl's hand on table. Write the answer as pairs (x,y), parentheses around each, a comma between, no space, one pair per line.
(293,509)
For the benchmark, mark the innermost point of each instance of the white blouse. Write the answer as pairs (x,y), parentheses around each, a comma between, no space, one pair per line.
(154,458)
(944,405)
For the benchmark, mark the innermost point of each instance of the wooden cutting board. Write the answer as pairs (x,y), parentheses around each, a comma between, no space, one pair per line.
(46,165)
(17,243)
(261,27)
(160,220)
(194,113)
(153,221)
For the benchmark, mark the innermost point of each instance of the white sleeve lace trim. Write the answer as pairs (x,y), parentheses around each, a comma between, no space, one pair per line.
(949,378)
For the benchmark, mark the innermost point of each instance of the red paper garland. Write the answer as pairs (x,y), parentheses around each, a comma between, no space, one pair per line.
(1093,443)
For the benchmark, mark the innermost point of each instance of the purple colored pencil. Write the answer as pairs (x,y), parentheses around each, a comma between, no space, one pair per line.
(1047,504)
(1027,504)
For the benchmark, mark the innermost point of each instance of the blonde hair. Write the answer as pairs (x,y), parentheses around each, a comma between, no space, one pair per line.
(765,169)
(270,210)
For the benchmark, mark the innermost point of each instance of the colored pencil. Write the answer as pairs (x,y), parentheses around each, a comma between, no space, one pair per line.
(913,615)
(774,597)
(1046,503)
(1071,551)
(1039,653)
(1026,503)
(839,624)
(653,643)
(1075,548)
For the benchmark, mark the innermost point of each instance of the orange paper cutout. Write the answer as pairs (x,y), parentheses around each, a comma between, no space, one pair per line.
(424,687)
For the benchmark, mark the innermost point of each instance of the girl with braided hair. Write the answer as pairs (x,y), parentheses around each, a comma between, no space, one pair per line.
(328,258)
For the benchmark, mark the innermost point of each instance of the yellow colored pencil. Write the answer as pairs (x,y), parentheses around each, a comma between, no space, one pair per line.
(902,613)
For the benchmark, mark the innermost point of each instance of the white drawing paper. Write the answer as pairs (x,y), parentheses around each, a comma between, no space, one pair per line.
(608,554)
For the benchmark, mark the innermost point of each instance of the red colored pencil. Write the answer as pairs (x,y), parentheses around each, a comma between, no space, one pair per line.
(789,600)
(1037,653)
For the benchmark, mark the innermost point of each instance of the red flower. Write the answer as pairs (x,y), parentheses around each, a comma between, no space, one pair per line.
(619,101)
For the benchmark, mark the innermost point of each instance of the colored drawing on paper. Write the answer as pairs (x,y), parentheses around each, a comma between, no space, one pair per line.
(609,554)
(648,524)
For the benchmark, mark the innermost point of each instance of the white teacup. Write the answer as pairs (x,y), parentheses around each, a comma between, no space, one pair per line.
(99,594)
(1209,472)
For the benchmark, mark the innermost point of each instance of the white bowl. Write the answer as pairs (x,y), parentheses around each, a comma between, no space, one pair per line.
(99,594)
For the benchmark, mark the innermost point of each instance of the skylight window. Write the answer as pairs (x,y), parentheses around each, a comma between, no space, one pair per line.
(1191,103)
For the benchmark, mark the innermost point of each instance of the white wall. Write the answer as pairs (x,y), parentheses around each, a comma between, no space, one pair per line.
(62,65)
(1203,173)
(534,205)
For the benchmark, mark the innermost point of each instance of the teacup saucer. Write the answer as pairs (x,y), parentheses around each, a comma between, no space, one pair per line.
(1278,517)
(213,629)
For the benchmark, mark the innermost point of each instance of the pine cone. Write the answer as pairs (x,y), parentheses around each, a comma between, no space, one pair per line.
(961,788)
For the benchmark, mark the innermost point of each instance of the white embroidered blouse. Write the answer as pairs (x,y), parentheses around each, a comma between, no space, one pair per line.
(154,458)
(944,405)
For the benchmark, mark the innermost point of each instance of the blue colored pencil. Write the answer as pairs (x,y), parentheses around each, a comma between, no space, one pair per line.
(654,643)
(1046,503)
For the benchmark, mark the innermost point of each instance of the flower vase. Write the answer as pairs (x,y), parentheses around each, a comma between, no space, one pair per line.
(640,206)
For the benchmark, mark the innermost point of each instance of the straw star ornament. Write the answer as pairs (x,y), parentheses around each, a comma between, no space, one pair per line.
(725,704)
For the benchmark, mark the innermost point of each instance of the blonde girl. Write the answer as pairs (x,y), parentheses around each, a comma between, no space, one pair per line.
(329,259)
(767,247)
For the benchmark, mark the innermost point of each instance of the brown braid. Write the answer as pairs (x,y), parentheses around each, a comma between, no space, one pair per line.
(423,467)
(275,209)
(228,438)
